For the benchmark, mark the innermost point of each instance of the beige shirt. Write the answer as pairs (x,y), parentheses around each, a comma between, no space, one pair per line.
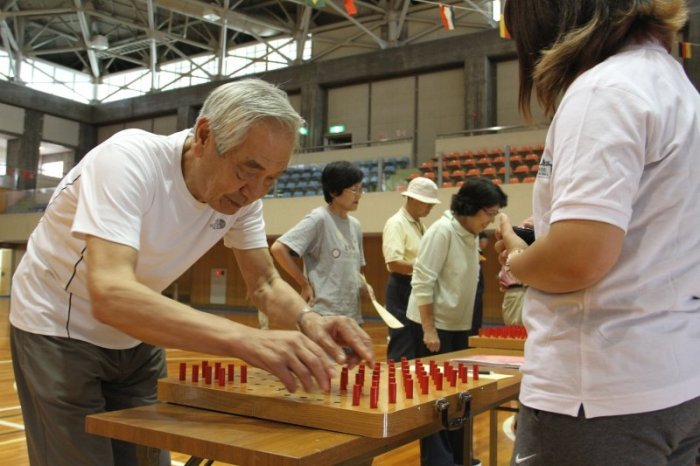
(401,237)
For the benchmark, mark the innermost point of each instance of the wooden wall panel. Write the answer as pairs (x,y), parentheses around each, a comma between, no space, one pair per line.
(193,286)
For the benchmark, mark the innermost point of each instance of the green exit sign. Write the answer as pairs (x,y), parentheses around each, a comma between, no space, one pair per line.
(336,129)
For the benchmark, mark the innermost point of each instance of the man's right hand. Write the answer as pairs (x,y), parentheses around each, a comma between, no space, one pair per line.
(334,333)
(289,356)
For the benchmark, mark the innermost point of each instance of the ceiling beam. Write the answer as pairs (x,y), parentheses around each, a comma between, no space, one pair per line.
(85,30)
(236,21)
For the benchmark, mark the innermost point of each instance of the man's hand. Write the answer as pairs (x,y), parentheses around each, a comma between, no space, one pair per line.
(334,333)
(289,356)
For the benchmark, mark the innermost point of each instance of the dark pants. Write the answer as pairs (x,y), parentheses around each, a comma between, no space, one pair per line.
(668,436)
(478,316)
(444,448)
(62,380)
(398,290)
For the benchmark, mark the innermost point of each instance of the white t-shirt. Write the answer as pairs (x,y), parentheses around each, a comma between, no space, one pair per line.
(129,190)
(622,149)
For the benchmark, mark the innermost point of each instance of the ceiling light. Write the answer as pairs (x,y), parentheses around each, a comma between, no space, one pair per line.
(99,42)
(210,15)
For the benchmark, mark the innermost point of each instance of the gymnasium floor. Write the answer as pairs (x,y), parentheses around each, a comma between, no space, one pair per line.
(13,449)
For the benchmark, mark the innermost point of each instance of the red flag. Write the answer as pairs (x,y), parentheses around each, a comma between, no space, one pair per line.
(350,7)
(447,16)
(684,50)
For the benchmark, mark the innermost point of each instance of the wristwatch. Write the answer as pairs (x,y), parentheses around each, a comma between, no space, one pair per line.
(301,315)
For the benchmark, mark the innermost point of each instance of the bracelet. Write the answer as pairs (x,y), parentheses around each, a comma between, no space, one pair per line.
(512,254)
(301,315)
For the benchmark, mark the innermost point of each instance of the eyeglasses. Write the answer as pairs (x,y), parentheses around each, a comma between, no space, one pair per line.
(491,212)
(356,191)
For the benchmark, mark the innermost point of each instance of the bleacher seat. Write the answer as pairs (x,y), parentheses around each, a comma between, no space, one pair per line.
(521,171)
(468,163)
(488,172)
(483,161)
(498,161)
(515,160)
(531,159)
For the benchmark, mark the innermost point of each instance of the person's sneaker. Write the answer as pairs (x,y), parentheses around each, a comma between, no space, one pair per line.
(476,462)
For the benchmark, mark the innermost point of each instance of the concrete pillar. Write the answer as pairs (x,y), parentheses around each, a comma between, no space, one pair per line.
(476,106)
(23,152)
(314,100)
(87,139)
(186,117)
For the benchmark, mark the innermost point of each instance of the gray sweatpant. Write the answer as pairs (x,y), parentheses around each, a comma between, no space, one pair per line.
(61,380)
(669,436)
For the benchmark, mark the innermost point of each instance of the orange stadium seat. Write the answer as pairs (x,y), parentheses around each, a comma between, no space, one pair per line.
(468,163)
(488,171)
(531,158)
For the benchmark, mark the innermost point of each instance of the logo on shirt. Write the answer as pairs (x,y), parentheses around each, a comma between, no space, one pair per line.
(521,459)
(218,224)
(545,170)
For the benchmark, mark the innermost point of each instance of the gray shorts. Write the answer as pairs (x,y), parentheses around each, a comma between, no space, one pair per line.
(668,436)
(61,380)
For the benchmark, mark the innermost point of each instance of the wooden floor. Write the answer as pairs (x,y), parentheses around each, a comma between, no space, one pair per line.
(13,449)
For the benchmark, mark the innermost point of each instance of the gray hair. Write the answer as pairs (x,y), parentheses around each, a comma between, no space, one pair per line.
(233,108)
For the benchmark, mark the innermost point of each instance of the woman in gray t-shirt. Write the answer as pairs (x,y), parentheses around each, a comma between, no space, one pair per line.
(329,241)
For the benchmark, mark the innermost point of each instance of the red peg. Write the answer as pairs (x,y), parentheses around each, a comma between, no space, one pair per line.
(373,396)
(195,372)
(244,374)
(183,371)
(356,390)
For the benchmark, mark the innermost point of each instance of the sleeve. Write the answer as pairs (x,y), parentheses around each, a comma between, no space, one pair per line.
(392,241)
(599,144)
(116,191)
(304,237)
(432,254)
(360,244)
(248,230)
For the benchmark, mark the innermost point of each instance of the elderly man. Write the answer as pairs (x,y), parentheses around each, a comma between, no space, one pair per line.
(88,317)
(400,240)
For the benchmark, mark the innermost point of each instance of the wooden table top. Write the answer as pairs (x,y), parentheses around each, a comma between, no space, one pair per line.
(250,441)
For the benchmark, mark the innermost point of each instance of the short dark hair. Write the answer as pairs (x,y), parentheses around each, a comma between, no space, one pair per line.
(476,194)
(338,176)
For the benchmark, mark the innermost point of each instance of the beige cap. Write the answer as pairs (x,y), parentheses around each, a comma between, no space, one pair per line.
(422,189)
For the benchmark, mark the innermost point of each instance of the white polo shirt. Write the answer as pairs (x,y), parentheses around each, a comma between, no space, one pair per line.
(622,149)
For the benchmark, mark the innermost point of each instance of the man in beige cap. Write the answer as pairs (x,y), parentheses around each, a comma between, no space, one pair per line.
(400,239)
